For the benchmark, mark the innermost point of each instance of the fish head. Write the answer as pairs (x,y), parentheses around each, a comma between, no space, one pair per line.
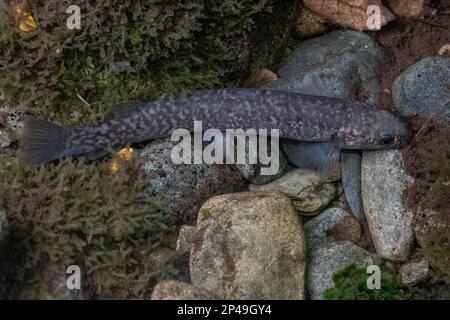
(378,130)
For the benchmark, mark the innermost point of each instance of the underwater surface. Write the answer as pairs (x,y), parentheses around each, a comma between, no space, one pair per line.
(197,150)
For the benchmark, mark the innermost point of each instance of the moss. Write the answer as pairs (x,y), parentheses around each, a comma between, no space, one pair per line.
(205,213)
(350,283)
(128,50)
(79,213)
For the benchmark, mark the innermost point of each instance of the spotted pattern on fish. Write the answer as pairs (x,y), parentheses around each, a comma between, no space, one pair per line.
(343,123)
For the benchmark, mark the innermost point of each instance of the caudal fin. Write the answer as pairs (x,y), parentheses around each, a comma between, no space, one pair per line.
(42,142)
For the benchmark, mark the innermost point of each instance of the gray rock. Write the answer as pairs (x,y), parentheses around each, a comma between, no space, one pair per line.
(351,181)
(390,223)
(316,228)
(328,258)
(184,241)
(252,172)
(342,64)
(185,187)
(175,290)
(303,186)
(414,272)
(422,88)
(249,245)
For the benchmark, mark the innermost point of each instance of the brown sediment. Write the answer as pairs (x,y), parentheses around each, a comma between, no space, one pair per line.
(409,40)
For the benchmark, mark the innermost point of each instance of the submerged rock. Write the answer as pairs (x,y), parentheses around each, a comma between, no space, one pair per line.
(351,181)
(327,258)
(318,229)
(249,245)
(309,24)
(422,88)
(414,272)
(351,14)
(176,290)
(343,64)
(303,187)
(390,223)
(185,187)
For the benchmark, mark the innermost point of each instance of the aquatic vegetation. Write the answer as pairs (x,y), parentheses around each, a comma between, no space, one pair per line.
(133,50)
(80,213)
(350,284)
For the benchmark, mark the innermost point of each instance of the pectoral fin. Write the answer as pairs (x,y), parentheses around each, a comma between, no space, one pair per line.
(320,157)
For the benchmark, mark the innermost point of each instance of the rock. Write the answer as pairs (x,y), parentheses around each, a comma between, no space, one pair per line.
(414,272)
(252,172)
(348,229)
(432,232)
(309,24)
(351,14)
(185,187)
(445,50)
(422,88)
(327,258)
(184,241)
(259,77)
(406,8)
(390,223)
(175,290)
(303,187)
(249,245)
(311,201)
(317,230)
(351,181)
(344,64)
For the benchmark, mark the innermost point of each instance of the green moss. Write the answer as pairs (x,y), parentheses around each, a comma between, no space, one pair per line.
(205,213)
(79,213)
(350,283)
(128,50)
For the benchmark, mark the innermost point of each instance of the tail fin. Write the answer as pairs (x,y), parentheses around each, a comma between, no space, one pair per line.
(42,142)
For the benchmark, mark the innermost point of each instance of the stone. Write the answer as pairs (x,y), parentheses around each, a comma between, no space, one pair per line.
(351,181)
(304,188)
(390,222)
(343,64)
(328,258)
(184,241)
(309,24)
(424,87)
(317,229)
(351,14)
(185,187)
(176,290)
(249,245)
(414,272)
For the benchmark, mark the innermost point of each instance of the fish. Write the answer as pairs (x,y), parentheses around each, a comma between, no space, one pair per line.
(312,128)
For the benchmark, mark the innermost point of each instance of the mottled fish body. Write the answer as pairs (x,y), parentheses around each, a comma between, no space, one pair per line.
(323,122)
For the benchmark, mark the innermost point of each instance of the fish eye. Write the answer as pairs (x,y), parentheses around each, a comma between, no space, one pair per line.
(387,140)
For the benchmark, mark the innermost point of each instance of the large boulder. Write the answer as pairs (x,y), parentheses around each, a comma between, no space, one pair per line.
(424,87)
(249,245)
(390,222)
